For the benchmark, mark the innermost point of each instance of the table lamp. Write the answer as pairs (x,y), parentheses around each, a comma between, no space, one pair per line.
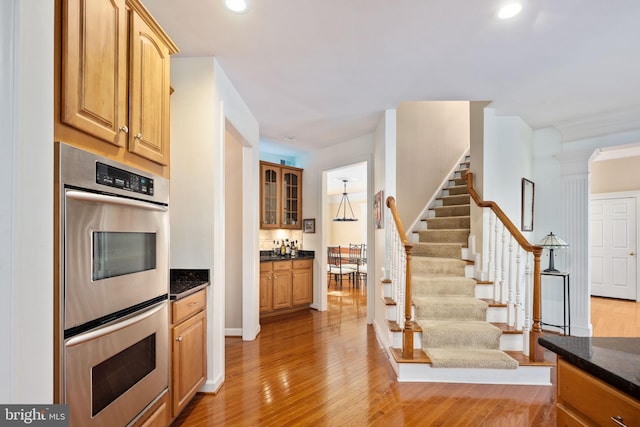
(551,242)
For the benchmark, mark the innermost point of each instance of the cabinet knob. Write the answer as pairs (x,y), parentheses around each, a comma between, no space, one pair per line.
(124,129)
(179,339)
(632,253)
(138,136)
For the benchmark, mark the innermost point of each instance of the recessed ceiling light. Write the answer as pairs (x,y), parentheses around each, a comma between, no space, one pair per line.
(509,10)
(236,6)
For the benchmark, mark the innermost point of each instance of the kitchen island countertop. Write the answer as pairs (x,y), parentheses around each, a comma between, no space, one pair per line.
(616,361)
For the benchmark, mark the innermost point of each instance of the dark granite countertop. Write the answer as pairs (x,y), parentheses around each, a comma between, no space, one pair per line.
(183,282)
(268,256)
(616,361)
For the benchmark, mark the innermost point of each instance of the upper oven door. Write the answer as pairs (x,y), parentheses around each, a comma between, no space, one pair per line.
(115,254)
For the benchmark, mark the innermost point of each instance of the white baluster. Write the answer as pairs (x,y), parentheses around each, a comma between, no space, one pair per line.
(528,284)
(492,245)
(511,311)
(504,266)
(497,283)
(519,314)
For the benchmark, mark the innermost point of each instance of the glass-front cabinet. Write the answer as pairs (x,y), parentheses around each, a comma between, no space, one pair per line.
(281,196)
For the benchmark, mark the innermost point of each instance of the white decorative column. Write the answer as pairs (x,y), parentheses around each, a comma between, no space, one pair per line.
(575,220)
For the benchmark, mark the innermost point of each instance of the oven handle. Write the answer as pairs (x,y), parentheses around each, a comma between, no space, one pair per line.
(106,330)
(102,198)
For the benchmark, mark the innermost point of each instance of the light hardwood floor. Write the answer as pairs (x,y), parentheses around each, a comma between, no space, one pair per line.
(328,369)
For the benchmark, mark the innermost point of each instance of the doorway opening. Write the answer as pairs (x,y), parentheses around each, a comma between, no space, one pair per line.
(346,230)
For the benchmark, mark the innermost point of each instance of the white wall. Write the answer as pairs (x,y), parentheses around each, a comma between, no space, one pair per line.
(203,102)
(26,251)
(384,180)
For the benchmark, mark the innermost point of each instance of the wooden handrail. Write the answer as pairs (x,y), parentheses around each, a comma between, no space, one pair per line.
(408,330)
(536,352)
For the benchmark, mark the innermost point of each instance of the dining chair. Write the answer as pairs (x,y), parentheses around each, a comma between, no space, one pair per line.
(335,267)
(358,262)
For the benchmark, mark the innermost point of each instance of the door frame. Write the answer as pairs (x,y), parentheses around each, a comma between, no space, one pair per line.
(620,195)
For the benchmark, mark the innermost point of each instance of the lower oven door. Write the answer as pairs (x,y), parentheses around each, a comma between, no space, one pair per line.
(114,372)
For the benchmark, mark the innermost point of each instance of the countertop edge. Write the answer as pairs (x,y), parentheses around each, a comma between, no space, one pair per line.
(179,296)
(605,375)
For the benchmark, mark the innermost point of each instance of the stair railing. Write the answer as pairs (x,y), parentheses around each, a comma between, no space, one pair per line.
(400,272)
(511,275)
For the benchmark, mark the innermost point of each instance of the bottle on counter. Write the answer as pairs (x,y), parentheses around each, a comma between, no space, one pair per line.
(275,248)
(293,249)
(283,249)
(288,248)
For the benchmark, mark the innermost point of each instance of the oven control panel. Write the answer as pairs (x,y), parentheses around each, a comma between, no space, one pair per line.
(119,178)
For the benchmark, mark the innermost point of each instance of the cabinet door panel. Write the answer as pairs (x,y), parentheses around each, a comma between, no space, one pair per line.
(292,199)
(94,68)
(189,361)
(266,292)
(302,286)
(149,93)
(281,289)
(269,197)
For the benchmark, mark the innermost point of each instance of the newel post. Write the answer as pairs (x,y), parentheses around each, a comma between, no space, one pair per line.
(407,333)
(536,352)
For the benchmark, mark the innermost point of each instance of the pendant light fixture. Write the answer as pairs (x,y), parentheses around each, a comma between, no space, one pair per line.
(344,202)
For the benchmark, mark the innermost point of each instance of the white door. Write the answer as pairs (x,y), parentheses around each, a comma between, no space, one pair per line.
(613,248)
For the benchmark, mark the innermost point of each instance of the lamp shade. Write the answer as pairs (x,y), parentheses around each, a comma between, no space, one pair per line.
(551,241)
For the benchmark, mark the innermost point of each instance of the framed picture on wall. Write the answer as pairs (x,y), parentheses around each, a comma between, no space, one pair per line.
(378,209)
(309,225)
(527,205)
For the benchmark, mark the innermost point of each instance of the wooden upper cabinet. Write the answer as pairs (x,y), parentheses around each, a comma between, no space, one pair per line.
(270,189)
(115,81)
(150,91)
(280,196)
(94,68)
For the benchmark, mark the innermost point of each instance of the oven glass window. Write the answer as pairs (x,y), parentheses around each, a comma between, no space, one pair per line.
(113,377)
(118,253)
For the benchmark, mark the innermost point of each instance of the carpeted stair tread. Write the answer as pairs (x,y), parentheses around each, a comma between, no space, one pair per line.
(459,334)
(456,199)
(446,222)
(438,250)
(449,308)
(457,189)
(470,358)
(434,265)
(460,235)
(442,285)
(456,210)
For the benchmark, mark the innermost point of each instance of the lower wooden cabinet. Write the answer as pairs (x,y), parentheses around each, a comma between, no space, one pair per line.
(285,286)
(584,400)
(189,349)
(301,282)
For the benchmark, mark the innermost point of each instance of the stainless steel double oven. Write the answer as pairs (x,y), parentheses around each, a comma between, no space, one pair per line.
(114,279)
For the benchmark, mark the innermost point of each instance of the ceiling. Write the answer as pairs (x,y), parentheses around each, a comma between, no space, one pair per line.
(319,72)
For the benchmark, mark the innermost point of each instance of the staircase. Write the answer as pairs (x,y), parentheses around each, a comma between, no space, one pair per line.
(461,334)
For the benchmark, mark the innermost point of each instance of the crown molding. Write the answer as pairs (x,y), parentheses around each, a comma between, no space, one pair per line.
(599,124)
